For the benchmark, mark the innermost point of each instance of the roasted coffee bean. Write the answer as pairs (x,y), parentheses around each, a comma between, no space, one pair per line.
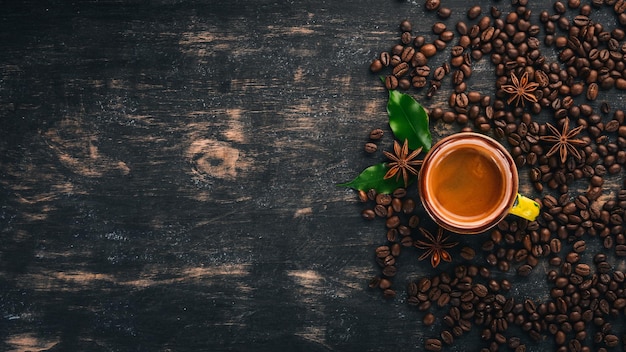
(461,100)
(429,319)
(444,12)
(581,21)
(380,210)
(612,126)
(405,26)
(396,59)
(474,12)
(383,199)
(447,337)
(449,321)
(384,284)
(391,82)
(368,214)
(376,134)
(424,284)
(520,255)
(385,58)
(401,69)
(439,73)
(419,59)
(603,267)
(582,269)
(432,90)
(614,169)
(389,293)
(407,54)
(461,28)
(383,251)
(414,221)
(404,230)
(392,222)
(374,282)
(438,27)
(465,325)
(480,290)
(608,244)
(572,257)
(555,245)
(443,299)
(619,7)
(592,91)
(466,69)
(418,81)
(406,38)
(404,83)
(389,271)
(428,50)
(370,148)
(611,340)
(396,204)
(579,246)
(392,235)
(467,296)
(491,259)
(376,65)
(432,5)
(524,270)
(422,71)
(406,241)
(468,253)
(408,206)
(433,345)
(600,257)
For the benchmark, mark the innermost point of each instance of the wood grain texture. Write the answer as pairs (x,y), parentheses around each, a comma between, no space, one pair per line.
(168,176)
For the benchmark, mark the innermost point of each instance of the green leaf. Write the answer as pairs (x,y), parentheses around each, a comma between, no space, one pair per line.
(408,120)
(372,178)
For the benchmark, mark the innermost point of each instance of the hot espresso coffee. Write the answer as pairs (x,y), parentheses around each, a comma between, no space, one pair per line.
(468,183)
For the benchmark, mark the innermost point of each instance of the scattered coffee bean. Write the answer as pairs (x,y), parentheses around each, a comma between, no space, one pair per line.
(370,148)
(447,337)
(368,214)
(468,253)
(444,12)
(376,134)
(432,5)
(474,12)
(433,345)
(428,50)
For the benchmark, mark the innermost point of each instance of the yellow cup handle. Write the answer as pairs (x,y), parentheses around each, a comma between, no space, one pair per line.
(525,208)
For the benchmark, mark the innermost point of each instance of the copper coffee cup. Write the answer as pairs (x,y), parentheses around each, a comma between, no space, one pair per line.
(469,182)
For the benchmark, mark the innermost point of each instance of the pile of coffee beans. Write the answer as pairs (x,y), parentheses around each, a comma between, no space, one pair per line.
(576,62)
(398,211)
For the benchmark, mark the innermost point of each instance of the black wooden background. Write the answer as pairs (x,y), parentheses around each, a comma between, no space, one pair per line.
(168,176)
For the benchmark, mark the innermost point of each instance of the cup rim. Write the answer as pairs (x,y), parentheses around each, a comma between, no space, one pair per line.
(503,209)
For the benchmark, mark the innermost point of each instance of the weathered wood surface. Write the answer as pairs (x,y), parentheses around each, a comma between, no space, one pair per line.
(168,171)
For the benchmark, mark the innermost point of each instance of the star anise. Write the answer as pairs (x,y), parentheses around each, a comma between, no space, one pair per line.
(435,247)
(564,141)
(521,89)
(402,162)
